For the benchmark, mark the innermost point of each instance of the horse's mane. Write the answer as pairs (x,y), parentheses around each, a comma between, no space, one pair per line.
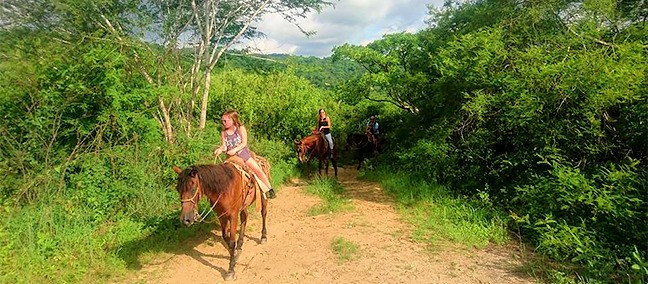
(313,138)
(213,178)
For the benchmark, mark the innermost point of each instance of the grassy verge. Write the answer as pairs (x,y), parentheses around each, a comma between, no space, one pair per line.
(437,215)
(115,212)
(331,192)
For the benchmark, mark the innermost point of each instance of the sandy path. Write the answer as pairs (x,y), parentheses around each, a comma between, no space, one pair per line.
(299,248)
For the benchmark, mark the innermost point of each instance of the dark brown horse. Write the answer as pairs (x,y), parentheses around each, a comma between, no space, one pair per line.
(362,145)
(230,192)
(315,146)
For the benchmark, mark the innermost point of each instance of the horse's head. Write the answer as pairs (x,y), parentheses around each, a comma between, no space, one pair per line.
(300,147)
(306,146)
(354,139)
(189,188)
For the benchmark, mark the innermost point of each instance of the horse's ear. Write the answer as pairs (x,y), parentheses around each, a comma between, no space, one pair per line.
(193,173)
(297,142)
(177,170)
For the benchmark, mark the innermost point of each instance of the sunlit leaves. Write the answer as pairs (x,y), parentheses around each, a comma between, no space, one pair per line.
(393,70)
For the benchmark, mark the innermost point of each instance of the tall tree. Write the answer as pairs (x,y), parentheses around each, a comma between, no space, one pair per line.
(153,35)
(219,24)
(390,75)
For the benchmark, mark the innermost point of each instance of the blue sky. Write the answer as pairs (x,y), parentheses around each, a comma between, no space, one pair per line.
(356,22)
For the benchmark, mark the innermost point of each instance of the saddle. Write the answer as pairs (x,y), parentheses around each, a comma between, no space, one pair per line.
(371,137)
(326,143)
(253,186)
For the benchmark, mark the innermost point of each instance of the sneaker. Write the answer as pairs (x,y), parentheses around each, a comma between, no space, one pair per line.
(271,194)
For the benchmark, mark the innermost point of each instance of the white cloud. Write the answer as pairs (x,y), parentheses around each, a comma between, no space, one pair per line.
(355,22)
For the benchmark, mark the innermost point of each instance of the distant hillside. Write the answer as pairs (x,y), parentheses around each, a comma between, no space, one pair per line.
(322,72)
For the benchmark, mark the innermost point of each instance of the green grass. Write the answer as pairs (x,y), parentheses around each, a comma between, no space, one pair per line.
(59,246)
(344,250)
(437,215)
(109,220)
(331,194)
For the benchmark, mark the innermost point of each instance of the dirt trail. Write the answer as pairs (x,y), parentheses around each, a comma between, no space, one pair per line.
(299,248)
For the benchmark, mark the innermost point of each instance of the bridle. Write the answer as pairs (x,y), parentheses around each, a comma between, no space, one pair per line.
(195,203)
(304,149)
(182,201)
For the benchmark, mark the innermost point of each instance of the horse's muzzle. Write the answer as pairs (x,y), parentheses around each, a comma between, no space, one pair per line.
(187,219)
(300,157)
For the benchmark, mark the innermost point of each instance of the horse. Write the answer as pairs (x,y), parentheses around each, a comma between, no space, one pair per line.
(315,145)
(230,191)
(362,144)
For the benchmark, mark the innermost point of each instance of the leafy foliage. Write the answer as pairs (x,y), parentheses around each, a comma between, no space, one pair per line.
(86,174)
(324,73)
(538,108)
(277,106)
(539,105)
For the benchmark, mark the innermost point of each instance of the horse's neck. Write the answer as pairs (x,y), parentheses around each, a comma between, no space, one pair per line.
(313,141)
(321,141)
(213,179)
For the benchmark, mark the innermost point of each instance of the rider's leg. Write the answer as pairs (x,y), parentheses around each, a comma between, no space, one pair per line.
(252,164)
(329,138)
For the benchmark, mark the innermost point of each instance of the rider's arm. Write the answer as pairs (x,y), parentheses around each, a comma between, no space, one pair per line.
(222,148)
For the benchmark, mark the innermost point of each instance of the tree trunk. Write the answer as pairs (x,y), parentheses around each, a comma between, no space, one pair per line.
(166,122)
(195,82)
(205,97)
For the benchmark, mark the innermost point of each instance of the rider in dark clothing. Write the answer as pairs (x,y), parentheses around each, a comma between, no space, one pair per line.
(373,131)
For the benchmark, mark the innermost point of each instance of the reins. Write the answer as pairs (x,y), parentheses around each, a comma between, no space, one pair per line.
(310,153)
(195,203)
(321,139)
(216,159)
(210,210)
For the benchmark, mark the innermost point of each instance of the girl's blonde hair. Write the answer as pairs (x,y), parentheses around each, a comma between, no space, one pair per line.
(235,117)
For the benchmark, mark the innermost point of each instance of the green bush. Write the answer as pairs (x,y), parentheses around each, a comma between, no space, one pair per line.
(594,220)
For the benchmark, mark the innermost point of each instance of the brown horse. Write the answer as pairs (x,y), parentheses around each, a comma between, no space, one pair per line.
(230,192)
(315,146)
(362,145)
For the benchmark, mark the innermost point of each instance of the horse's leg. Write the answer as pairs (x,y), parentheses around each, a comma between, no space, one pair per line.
(320,167)
(224,223)
(308,165)
(326,164)
(233,220)
(334,161)
(360,158)
(264,212)
(241,233)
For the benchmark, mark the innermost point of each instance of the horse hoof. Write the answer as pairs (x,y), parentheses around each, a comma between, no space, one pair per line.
(264,240)
(230,276)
